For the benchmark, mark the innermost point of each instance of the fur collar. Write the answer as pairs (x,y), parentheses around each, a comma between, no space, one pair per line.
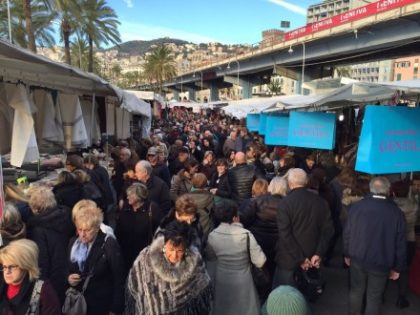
(167,271)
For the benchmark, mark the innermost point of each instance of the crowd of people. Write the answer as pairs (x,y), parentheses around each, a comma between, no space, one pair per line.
(190,214)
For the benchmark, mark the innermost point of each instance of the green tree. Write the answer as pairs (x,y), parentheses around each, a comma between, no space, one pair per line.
(160,66)
(275,86)
(100,24)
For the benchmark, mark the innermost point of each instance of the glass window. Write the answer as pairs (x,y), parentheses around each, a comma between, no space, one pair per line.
(399,77)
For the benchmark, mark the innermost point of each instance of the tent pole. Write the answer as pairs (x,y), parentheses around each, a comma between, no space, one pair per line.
(92,119)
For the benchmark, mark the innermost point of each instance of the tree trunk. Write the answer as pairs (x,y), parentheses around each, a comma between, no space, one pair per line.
(66,29)
(28,24)
(90,66)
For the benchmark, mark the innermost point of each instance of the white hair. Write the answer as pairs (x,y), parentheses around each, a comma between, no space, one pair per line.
(278,186)
(379,186)
(297,178)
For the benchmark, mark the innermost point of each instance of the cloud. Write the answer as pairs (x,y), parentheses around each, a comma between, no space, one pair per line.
(290,6)
(137,31)
(129,3)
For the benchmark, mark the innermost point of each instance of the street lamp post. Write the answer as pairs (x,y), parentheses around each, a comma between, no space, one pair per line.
(9,21)
(237,74)
(201,78)
(303,64)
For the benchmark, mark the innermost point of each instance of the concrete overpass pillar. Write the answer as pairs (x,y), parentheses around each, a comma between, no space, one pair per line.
(245,84)
(214,92)
(191,94)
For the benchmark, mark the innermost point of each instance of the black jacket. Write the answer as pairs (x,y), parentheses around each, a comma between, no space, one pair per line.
(67,194)
(304,226)
(260,217)
(105,292)
(241,178)
(162,171)
(99,176)
(222,184)
(159,193)
(134,231)
(374,234)
(51,230)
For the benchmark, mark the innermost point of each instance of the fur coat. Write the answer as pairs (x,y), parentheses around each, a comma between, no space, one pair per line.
(155,286)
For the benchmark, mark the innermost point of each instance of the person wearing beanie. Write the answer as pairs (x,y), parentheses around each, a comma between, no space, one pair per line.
(285,300)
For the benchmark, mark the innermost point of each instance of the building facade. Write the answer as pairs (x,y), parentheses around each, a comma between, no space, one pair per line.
(328,8)
(406,68)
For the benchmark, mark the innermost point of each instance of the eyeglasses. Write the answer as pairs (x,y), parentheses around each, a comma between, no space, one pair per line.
(10,268)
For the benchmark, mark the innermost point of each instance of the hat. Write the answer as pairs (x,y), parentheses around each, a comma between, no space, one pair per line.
(152,151)
(285,300)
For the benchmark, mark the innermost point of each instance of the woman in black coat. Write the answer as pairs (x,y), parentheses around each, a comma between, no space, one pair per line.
(219,182)
(96,255)
(50,228)
(67,191)
(137,223)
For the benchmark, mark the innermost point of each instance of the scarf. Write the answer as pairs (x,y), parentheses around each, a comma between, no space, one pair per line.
(79,254)
(155,286)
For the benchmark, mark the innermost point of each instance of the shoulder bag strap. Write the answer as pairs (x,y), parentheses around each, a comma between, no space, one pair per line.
(85,284)
(35,297)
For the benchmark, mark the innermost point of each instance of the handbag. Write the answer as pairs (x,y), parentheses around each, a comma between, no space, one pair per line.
(74,302)
(260,276)
(310,283)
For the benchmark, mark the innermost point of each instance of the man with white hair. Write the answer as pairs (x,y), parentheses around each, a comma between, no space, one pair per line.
(374,246)
(305,228)
(158,190)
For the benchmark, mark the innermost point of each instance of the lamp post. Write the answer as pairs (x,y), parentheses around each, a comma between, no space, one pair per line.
(9,21)
(303,63)
(237,74)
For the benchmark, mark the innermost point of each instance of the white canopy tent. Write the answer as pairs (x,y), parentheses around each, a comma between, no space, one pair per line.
(21,67)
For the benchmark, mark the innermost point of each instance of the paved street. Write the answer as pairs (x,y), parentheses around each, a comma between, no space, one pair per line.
(334,301)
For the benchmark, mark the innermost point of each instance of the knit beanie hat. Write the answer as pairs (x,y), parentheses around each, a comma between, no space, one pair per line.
(285,300)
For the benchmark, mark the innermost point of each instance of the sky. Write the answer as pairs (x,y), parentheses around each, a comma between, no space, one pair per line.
(198,21)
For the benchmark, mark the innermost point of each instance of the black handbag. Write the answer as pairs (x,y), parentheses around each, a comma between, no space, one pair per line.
(260,276)
(310,283)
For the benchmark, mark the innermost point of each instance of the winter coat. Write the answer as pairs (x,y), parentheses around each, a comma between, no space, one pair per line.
(159,193)
(409,208)
(135,230)
(222,184)
(260,217)
(162,171)
(105,292)
(241,178)
(207,170)
(49,303)
(234,289)
(99,176)
(374,235)
(180,185)
(67,194)
(205,205)
(51,230)
(305,228)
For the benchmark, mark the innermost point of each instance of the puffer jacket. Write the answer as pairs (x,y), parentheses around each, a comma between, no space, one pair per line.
(259,216)
(241,178)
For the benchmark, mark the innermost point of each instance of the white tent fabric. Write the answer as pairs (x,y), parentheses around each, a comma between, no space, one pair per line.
(24,145)
(73,123)
(47,126)
(122,123)
(110,119)
(86,106)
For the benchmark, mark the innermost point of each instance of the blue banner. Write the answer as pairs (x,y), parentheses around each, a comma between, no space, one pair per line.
(389,141)
(262,127)
(277,130)
(253,122)
(312,130)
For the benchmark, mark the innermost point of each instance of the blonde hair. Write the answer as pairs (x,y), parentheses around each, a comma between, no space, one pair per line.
(23,253)
(260,187)
(41,198)
(87,213)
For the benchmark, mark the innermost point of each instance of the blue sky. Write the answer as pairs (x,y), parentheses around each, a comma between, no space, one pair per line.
(225,21)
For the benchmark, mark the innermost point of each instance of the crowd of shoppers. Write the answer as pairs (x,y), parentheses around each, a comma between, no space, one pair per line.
(195,209)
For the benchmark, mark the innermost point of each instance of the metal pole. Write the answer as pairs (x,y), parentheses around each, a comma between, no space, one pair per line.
(92,119)
(303,66)
(9,20)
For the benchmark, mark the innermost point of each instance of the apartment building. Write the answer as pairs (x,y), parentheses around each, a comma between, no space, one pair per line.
(328,8)
(406,68)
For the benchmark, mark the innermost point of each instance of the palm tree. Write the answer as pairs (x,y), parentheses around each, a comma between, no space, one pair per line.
(79,52)
(160,66)
(27,9)
(41,23)
(100,25)
(68,12)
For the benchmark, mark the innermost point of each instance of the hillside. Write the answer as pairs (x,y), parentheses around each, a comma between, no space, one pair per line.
(140,47)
